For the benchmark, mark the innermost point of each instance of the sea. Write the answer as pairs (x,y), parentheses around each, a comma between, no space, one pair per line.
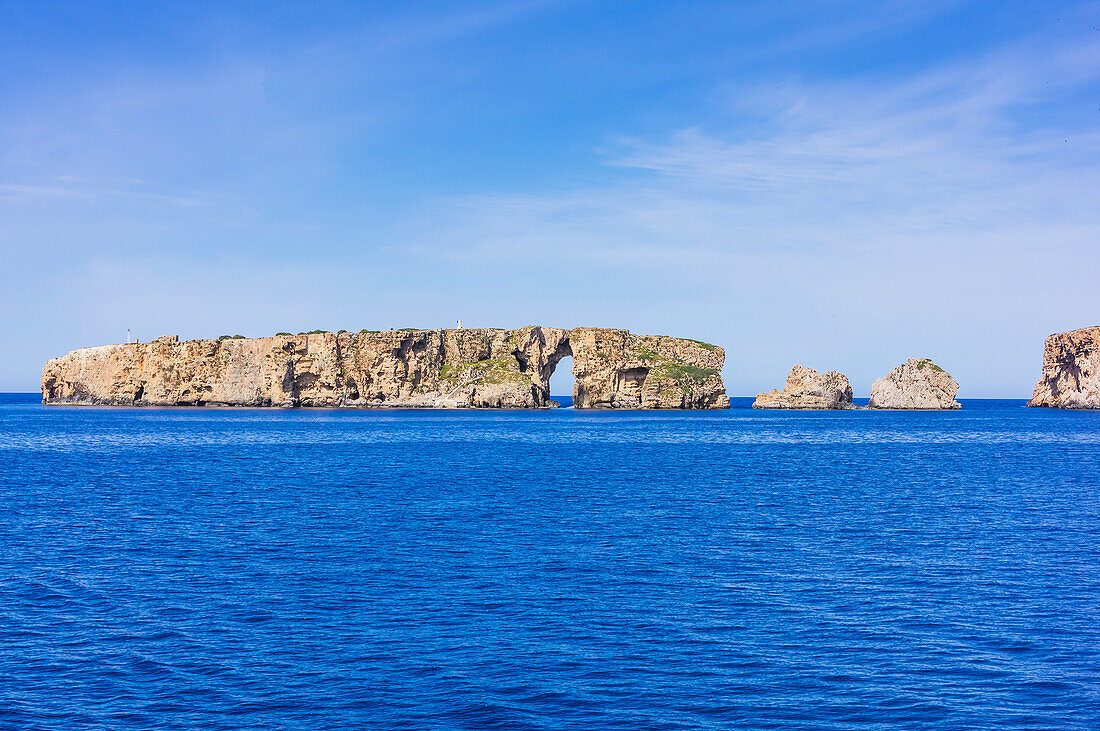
(560,569)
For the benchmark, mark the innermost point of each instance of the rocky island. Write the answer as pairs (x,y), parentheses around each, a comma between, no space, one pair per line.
(805,389)
(1071,371)
(475,368)
(918,383)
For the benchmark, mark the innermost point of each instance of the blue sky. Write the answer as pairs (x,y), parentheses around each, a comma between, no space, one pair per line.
(842,185)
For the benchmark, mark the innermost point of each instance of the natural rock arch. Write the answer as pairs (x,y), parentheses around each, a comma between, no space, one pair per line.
(487,368)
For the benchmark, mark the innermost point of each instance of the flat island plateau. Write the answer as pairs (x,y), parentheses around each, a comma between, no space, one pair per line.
(473,368)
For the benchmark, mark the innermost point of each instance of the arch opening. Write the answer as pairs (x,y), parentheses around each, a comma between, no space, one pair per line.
(561,381)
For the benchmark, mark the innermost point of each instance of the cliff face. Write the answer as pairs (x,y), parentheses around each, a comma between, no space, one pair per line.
(486,368)
(615,369)
(1071,371)
(918,383)
(805,389)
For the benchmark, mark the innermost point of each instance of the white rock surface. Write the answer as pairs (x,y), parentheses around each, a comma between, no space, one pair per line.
(918,383)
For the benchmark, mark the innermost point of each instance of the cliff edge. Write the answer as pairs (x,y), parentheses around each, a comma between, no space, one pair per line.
(1071,371)
(615,369)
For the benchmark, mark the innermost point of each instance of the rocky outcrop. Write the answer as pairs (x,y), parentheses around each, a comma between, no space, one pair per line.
(615,369)
(805,389)
(1071,371)
(479,368)
(918,383)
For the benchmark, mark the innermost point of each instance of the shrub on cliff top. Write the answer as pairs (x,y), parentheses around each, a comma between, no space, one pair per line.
(926,362)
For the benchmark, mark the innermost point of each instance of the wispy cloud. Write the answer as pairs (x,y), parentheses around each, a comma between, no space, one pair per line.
(201,129)
(75,189)
(956,151)
(876,18)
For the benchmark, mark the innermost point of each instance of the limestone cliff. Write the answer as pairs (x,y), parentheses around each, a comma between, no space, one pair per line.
(615,369)
(1071,371)
(480,368)
(805,389)
(918,383)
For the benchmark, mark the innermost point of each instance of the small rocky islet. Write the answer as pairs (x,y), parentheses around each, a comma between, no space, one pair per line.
(806,389)
(917,384)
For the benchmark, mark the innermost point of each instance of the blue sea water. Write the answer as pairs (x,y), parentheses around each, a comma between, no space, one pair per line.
(315,569)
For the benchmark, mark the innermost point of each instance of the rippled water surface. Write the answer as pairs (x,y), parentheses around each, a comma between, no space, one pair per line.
(549,570)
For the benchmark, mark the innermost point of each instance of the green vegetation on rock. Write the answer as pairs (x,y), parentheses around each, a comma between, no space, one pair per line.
(490,370)
(681,372)
(684,375)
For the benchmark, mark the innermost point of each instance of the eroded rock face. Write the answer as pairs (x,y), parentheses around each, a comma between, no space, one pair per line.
(480,368)
(805,389)
(918,383)
(616,369)
(1071,371)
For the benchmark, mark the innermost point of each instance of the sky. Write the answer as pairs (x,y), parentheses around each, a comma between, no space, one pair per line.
(837,184)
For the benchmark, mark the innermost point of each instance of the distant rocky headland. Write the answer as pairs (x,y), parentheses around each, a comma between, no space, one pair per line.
(1071,371)
(474,368)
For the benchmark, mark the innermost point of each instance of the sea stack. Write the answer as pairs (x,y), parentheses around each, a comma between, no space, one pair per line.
(918,383)
(1071,371)
(474,368)
(805,389)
